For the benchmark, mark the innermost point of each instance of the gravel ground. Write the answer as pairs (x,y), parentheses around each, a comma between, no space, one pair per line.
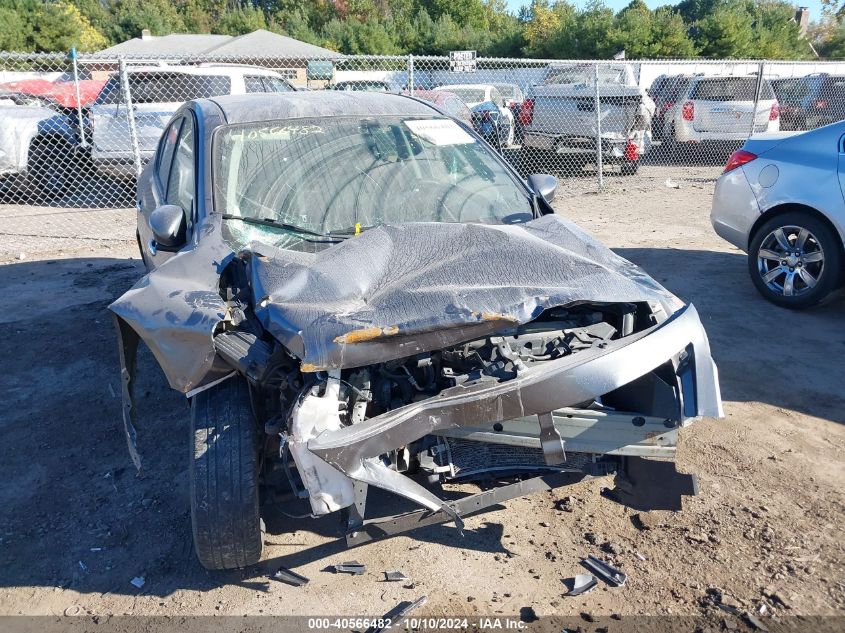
(763,535)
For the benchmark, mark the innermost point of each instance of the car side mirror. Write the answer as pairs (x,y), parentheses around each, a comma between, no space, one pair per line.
(543,185)
(169,227)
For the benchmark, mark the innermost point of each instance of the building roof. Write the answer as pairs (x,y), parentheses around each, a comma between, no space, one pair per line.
(257,44)
(263,43)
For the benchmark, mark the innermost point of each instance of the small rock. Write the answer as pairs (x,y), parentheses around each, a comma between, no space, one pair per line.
(612,548)
(21,256)
(544,524)
(591,538)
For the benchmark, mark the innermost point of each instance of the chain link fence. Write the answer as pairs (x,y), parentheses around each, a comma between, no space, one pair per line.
(76,131)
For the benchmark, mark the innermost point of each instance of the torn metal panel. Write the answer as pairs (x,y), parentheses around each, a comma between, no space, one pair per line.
(559,383)
(176,308)
(127,345)
(395,291)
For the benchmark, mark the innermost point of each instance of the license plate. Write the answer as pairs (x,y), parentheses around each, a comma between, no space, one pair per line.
(539,142)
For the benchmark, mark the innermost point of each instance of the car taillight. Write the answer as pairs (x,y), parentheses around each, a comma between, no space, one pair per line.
(631,152)
(774,113)
(688,111)
(526,112)
(738,159)
(820,104)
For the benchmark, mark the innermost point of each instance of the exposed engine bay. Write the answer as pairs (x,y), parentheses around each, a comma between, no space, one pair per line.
(296,407)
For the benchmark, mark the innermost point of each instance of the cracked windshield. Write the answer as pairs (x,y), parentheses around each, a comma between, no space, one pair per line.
(323,180)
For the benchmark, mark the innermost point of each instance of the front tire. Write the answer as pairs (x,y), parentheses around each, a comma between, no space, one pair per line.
(224,477)
(48,166)
(630,167)
(795,260)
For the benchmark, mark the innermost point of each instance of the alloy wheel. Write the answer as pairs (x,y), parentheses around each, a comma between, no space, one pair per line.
(790,261)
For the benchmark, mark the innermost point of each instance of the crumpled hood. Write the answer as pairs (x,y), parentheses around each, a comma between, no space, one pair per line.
(398,290)
(390,292)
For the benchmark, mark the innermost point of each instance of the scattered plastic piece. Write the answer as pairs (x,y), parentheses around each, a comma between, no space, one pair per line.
(83,566)
(72,610)
(672,184)
(395,576)
(580,584)
(609,574)
(289,577)
(138,581)
(351,567)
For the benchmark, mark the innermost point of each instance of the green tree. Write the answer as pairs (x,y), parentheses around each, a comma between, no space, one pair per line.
(130,17)
(240,21)
(15,31)
(727,31)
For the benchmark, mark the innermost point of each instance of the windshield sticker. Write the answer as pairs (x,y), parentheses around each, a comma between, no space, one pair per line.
(440,132)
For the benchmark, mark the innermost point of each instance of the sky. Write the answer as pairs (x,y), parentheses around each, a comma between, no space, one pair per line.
(815,6)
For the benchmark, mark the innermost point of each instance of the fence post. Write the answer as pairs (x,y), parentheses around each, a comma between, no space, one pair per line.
(130,114)
(82,142)
(597,108)
(757,90)
(411,75)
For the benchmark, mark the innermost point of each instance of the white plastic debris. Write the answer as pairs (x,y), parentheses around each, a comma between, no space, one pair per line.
(672,184)
(21,256)
(138,581)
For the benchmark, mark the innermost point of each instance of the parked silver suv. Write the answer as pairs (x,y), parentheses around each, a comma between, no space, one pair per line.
(156,93)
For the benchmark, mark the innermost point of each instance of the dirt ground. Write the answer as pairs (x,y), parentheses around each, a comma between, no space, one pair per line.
(764,534)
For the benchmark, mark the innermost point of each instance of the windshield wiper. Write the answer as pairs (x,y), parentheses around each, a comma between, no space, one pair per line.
(280,225)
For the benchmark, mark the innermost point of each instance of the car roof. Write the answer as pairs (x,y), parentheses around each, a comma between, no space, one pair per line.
(228,70)
(448,86)
(257,107)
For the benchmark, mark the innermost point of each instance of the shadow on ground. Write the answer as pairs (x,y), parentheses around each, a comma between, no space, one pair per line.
(785,358)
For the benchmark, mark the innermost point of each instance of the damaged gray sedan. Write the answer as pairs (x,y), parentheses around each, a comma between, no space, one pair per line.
(354,290)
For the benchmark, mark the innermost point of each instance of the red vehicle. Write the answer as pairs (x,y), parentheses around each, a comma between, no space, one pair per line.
(62,91)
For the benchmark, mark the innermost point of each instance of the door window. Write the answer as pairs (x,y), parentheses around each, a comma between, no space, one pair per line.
(254,84)
(165,155)
(180,186)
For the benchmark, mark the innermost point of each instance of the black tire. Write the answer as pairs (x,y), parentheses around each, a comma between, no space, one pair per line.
(828,275)
(225,513)
(48,169)
(630,167)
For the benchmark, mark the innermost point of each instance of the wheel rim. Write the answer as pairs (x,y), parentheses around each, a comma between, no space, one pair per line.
(790,261)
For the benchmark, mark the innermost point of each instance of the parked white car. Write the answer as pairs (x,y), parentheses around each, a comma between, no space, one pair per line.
(560,122)
(156,93)
(476,94)
(721,109)
(37,146)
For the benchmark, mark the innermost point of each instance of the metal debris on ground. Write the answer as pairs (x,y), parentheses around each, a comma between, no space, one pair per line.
(289,577)
(754,621)
(395,576)
(397,614)
(138,581)
(350,567)
(580,584)
(606,572)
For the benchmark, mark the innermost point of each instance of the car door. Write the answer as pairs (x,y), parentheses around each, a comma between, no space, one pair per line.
(173,182)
